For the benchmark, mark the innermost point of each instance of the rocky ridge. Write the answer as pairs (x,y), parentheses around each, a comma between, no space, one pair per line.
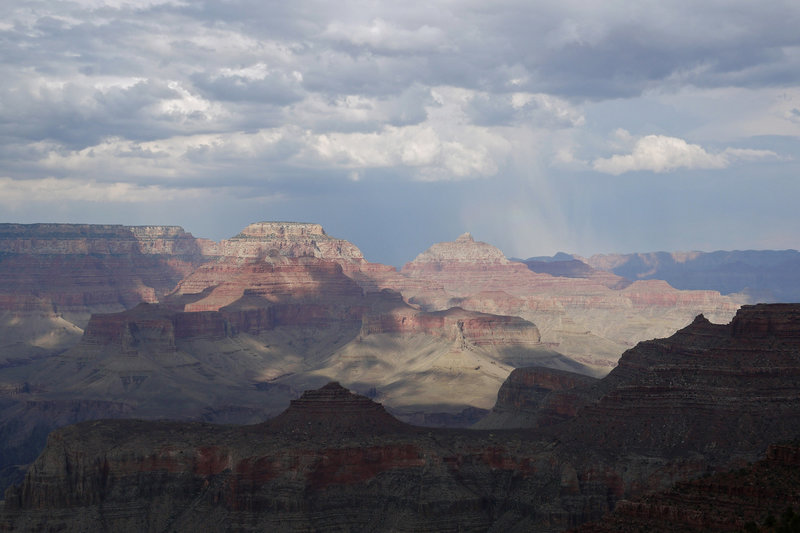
(767,276)
(333,460)
(752,498)
(709,398)
(591,319)
(54,276)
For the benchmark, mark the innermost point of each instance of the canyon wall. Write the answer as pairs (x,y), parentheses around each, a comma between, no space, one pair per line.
(591,319)
(710,398)
(54,276)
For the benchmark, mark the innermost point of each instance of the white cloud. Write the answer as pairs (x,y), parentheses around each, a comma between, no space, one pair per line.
(15,193)
(385,36)
(445,146)
(177,158)
(433,154)
(660,153)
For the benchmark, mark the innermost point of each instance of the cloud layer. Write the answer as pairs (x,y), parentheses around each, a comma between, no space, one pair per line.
(139,101)
(659,153)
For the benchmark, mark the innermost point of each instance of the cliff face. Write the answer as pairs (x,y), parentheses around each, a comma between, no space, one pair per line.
(538,397)
(706,399)
(332,461)
(708,388)
(291,239)
(591,317)
(274,279)
(753,498)
(54,276)
(718,392)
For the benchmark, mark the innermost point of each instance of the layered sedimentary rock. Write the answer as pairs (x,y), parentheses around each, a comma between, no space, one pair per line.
(708,388)
(538,397)
(590,318)
(763,496)
(291,239)
(54,276)
(264,306)
(709,394)
(332,461)
(274,278)
(709,398)
(241,336)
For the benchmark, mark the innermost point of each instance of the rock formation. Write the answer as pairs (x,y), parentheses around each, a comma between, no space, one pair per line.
(238,330)
(240,337)
(332,461)
(751,276)
(709,388)
(54,276)
(591,318)
(290,239)
(763,496)
(705,400)
(538,397)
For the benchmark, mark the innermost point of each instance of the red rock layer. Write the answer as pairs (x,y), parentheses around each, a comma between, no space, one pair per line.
(456,324)
(333,461)
(80,269)
(273,279)
(290,239)
(590,319)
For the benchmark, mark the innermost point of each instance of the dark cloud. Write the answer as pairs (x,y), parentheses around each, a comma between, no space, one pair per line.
(277,89)
(337,108)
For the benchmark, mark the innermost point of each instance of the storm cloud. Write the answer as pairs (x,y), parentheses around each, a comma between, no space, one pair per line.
(505,116)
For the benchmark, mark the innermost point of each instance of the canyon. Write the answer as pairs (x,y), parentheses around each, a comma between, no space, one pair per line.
(709,406)
(150,322)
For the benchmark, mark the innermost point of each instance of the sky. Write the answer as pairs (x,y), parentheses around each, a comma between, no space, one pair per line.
(538,126)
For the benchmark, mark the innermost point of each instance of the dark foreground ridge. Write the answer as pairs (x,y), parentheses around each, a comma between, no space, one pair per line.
(333,411)
(755,498)
(703,401)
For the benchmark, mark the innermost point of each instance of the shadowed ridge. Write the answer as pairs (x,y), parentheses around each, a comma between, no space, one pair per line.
(334,409)
(537,397)
(767,320)
(726,501)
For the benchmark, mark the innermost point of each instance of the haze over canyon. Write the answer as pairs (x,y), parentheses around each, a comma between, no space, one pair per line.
(150,322)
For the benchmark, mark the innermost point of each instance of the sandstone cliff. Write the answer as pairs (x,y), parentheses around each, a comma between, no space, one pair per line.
(54,276)
(590,318)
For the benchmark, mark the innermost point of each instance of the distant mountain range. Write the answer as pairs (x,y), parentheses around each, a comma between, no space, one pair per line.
(768,276)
